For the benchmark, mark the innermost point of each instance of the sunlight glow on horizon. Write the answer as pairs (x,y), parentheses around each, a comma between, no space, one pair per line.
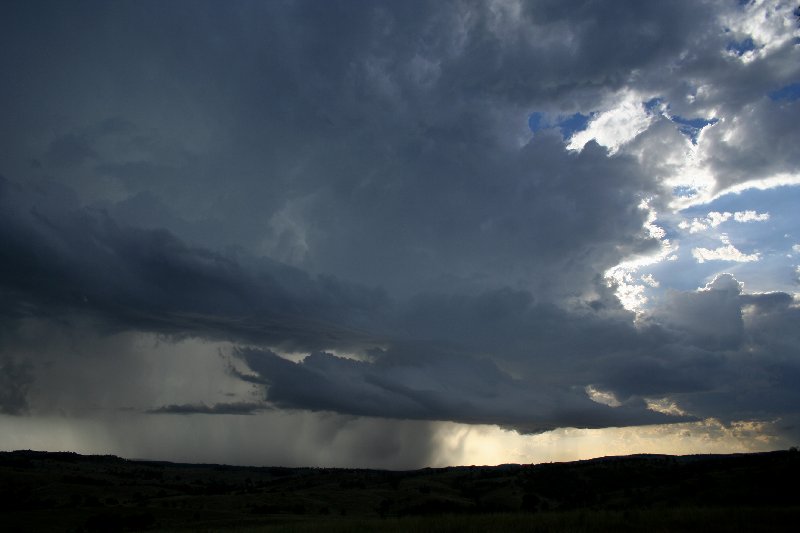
(490,445)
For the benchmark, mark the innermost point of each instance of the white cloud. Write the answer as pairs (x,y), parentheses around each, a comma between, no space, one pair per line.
(724,253)
(750,216)
(723,282)
(715,218)
(650,280)
(604,397)
(664,405)
(630,293)
(616,126)
(695,226)
(769,23)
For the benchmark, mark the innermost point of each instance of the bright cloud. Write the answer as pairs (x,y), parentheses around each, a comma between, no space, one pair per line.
(750,216)
(768,23)
(650,280)
(616,126)
(715,218)
(622,276)
(724,253)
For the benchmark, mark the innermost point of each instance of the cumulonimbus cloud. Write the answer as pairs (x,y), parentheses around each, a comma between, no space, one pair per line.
(351,195)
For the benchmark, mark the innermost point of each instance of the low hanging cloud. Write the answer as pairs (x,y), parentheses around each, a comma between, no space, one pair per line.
(722,328)
(57,258)
(419,383)
(15,380)
(236,408)
(436,356)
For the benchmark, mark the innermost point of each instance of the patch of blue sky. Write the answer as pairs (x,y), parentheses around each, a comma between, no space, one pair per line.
(768,234)
(789,92)
(537,122)
(779,201)
(684,191)
(693,122)
(774,272)
(567,124)
(691,127)
(653,105)
(573,124)
(682,274)
(741,47)
(772,239)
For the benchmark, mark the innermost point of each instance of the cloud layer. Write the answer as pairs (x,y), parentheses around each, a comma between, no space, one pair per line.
(400,211)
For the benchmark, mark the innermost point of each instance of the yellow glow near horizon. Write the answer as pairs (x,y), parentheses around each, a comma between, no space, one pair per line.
(490,445)
(317,439)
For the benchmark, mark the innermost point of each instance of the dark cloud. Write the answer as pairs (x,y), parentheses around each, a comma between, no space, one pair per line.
(80,260)
(442,350)
(399,123)
(407,123)
(235,408)
(419,382)
(730,355)
(360,179)
(756,143)
(68,151)
(699,348)
(15,380)
(711,318)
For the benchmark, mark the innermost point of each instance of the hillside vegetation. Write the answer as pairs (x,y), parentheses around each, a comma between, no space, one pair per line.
(42,491)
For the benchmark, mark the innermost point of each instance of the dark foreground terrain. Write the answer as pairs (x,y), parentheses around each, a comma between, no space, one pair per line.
(42,491)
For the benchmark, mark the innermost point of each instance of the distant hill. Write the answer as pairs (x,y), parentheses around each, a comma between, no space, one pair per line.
(43,491)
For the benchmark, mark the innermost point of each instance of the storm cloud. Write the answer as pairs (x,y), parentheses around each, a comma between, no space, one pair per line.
(399,213)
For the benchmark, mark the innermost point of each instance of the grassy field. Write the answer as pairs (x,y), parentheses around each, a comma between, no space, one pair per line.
(68,492)
(691,519)
(682,519)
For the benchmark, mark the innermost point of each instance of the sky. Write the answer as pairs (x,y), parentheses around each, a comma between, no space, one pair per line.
(399,234)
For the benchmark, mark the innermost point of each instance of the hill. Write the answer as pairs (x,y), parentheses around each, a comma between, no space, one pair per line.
(43,491)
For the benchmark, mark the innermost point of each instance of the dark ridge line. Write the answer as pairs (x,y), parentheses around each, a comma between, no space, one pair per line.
(91,458)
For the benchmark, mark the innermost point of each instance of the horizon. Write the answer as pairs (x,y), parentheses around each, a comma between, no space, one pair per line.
(792,449)
(399,235)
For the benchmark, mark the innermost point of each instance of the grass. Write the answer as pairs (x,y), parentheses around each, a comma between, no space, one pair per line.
(690,519)
(72,493)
